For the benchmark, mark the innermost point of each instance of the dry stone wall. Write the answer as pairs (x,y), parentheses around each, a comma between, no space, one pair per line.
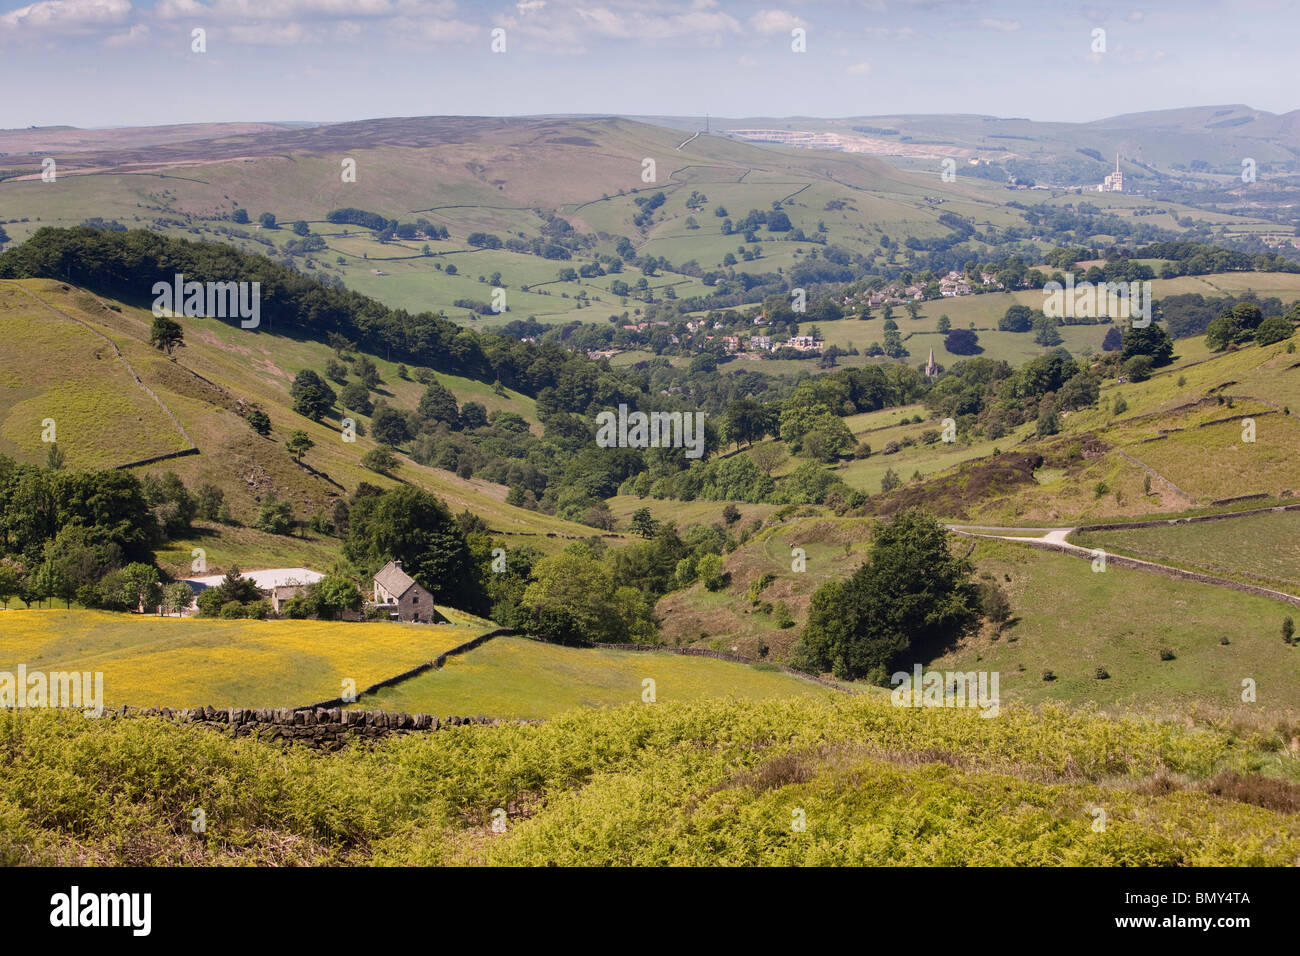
(322,728)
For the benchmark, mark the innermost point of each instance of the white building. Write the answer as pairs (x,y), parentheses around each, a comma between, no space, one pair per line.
(1114,182)
(279,583)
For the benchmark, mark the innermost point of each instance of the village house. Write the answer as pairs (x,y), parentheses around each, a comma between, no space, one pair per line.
(731,342)
(761,342)
(397,593)
(953,285)
(805,343)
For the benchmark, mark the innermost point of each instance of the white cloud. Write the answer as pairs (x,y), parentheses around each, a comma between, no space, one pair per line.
(772,22)
(446,30)
(288,22)
(859,69)
(137,34)
(67,16)
(529,6)
(889,33)
(994,23)
(681,23)
(279,34)
(303,10)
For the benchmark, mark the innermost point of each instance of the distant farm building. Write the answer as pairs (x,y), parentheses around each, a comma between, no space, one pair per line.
(280,583)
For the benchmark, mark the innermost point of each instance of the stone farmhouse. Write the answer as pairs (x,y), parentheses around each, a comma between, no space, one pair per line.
(396,592)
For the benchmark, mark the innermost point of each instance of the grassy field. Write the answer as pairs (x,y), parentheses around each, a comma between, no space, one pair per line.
(188,662)
(1069,619)
(518,677)
(65,372)
(709,783)
(1254,382)
(1258,549)
(1072,620)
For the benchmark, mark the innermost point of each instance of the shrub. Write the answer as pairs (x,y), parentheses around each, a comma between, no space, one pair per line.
(379,460)
(232,609)
(1049,676)
(993,603)
(1167,654)
(781,616)
(275,517)
(1138,368)
(259,422)
(1101,674)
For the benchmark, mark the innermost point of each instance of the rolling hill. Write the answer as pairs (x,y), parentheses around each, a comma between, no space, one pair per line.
(509,178)
(116,411)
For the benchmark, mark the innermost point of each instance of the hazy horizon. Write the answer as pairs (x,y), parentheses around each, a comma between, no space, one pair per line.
(83,62)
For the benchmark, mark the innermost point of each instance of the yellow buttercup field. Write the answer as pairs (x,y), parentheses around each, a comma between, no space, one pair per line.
(187,662)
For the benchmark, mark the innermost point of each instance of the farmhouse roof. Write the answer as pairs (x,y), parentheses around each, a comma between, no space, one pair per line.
(393,579)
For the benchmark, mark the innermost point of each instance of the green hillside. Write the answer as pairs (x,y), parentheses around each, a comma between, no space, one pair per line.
(208,386)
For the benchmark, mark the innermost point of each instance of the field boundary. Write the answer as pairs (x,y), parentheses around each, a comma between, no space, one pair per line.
(464,648)
(324,728)
(434,664)
(1191,519)
(1155,474)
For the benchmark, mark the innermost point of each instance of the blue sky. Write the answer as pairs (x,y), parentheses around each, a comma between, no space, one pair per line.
(129,62)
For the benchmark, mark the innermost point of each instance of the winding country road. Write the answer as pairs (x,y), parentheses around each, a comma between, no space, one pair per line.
(1055,539)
